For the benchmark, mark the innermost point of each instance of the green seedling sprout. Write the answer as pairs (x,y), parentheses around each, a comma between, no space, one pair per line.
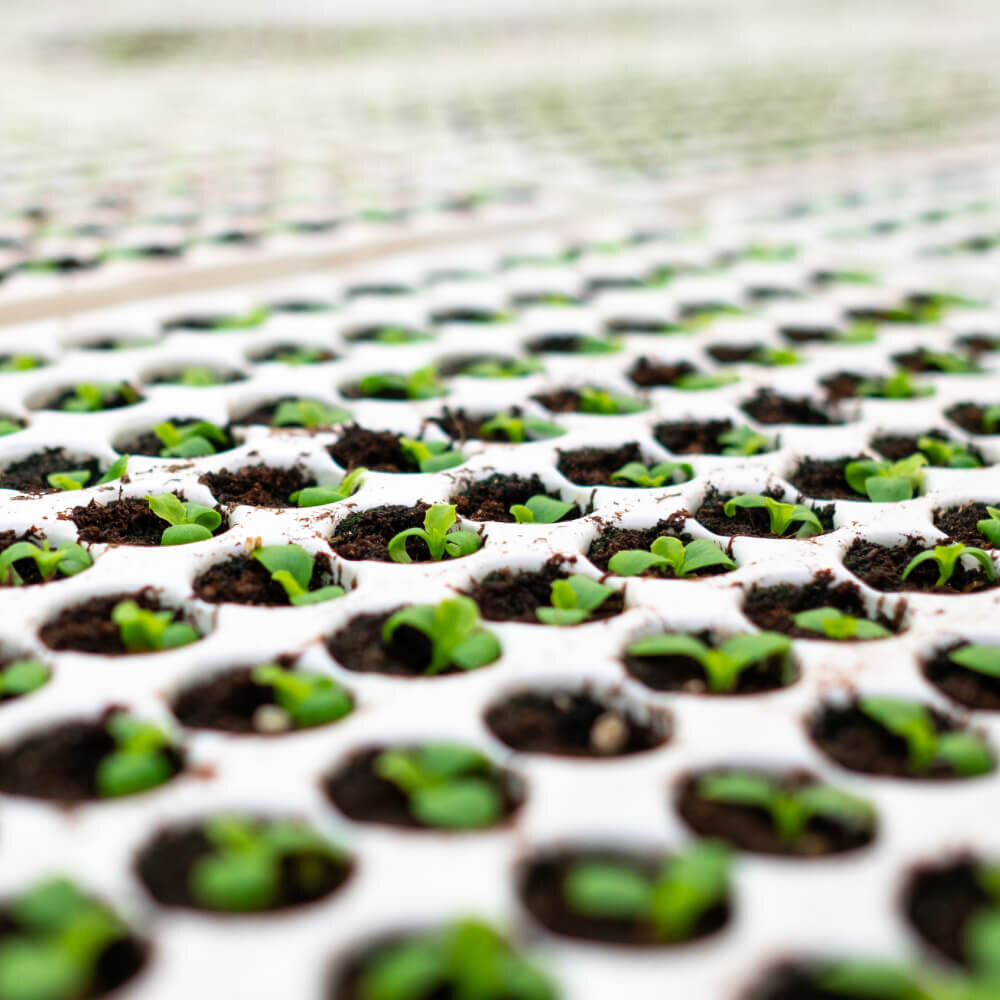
(67,559)
(138,761)
(76,479)
(701,381)
(775,357)
(464,959)
(652,476)
(790,809)
(189,522)
(670,553)
(886,482)
(21,362)
(57,940)
(834,624)
(446,785)
(991,419)
(143,631)
(964,752)
(704,316)
(92,397)
(454,630)
(420,384)
(897,386)
(600,401)
(947,557)
(9,427)
(300,355)
(742,441)
(722,666)
(673,901)
(22,677)
(243,873)
(438,536)
(309,413)
(782,515)
(317,496)
(291,567)
(980,659)
(192,441)
(989,527)
(307,699)
(859,332)
(244,321)
(574,600)
(540,509)
(517,430)
(501,368)
(949,363)
(948,454)
(430,456)
(878,980)
(199,376)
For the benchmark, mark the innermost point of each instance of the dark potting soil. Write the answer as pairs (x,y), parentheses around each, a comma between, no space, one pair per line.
(823,478)
(277,351)
(572,724)
(968,687)
(882,566)
(28,475)
(165,867)
(490,499)
(614,540)
(559,400)
(645,373)
(773,609)
(127,521)
(687,675)
(358,646)
(257,485)
(59,764)
(361,795)
(969,416)
(755,521)
(959,523)
(379,451)
(366,534)
(768,407)
(540,885)
(459,426)
(557,343)
(692,437)
(977,344)
(807,334)
(243,580)
(841,385)
(87,627)
(147,443)
(849,737)
(595,466)
(797,981)
(940,901)
(733,354)
(506,596)
(751,828)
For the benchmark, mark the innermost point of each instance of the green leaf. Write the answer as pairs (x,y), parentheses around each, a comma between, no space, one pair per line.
(71,479)
(868,980)
(908,720)
(292,560)
(634,562)
(742,441)
(738,788)
(836,625)
(408,971)
(116,470)
(982,941)
(606,891)
(38,970)
(669,645)
(781,515)
(888,489)
(167,507)
(238,883)
(125,773)
(541,509)
(590,594)
(308,413)
(689,885)
(454,630)
(471,803)
(318,596)
(23,677)
(981,659)
(965,752)
(703,553)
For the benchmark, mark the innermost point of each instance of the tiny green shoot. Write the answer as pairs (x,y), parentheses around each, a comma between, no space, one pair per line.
(517,430)
(980,659)
(602,402)
(437,535)
(189,522)
(897,386)
(947,557)
(431,456)
(144,631)
(307,699)
(92,397)
(317,496)
(653,476)
(420,384)
(501,368)
(989,527)
(886,482)
(309,413)
(668,553)
(67,559)
(138,761)
(574,600)
(782,515)
(22,677)
(947,454)
(742,441)
(702,381)
(190,441)
(540,509)
(834,624)
(291,567)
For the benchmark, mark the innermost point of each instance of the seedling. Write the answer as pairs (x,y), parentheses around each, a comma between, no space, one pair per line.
(454,630)
(897,386)
(9,427)
(574,600)
(700,381)
(790,809)
(670,553)
(300,355)
(540,509)
(517,430)
(437,535)
(860,332)
(307,699)
(886,482)
(138,761)
(948,363)
(722,666)
(243,321)
(964,752)
(243,873)
(879,980)
(431,456)
(92,397)
(446,785)
(22,677)
(76,479)
(672,902)
(66,560)
(775,357)
(946,557)
(704,316)
(742,441)
(189,522)
(948,454)
(834,624)
(420,384)
(464,959)
(396,335)
(291,567)
(198,376)
(317,496)
(56,939)
(991,419)
(990,526)
(782,515)
(656,475)
(501,368)
(20,362)
(308,413)
(143,631)
(602,402)
(190,441)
